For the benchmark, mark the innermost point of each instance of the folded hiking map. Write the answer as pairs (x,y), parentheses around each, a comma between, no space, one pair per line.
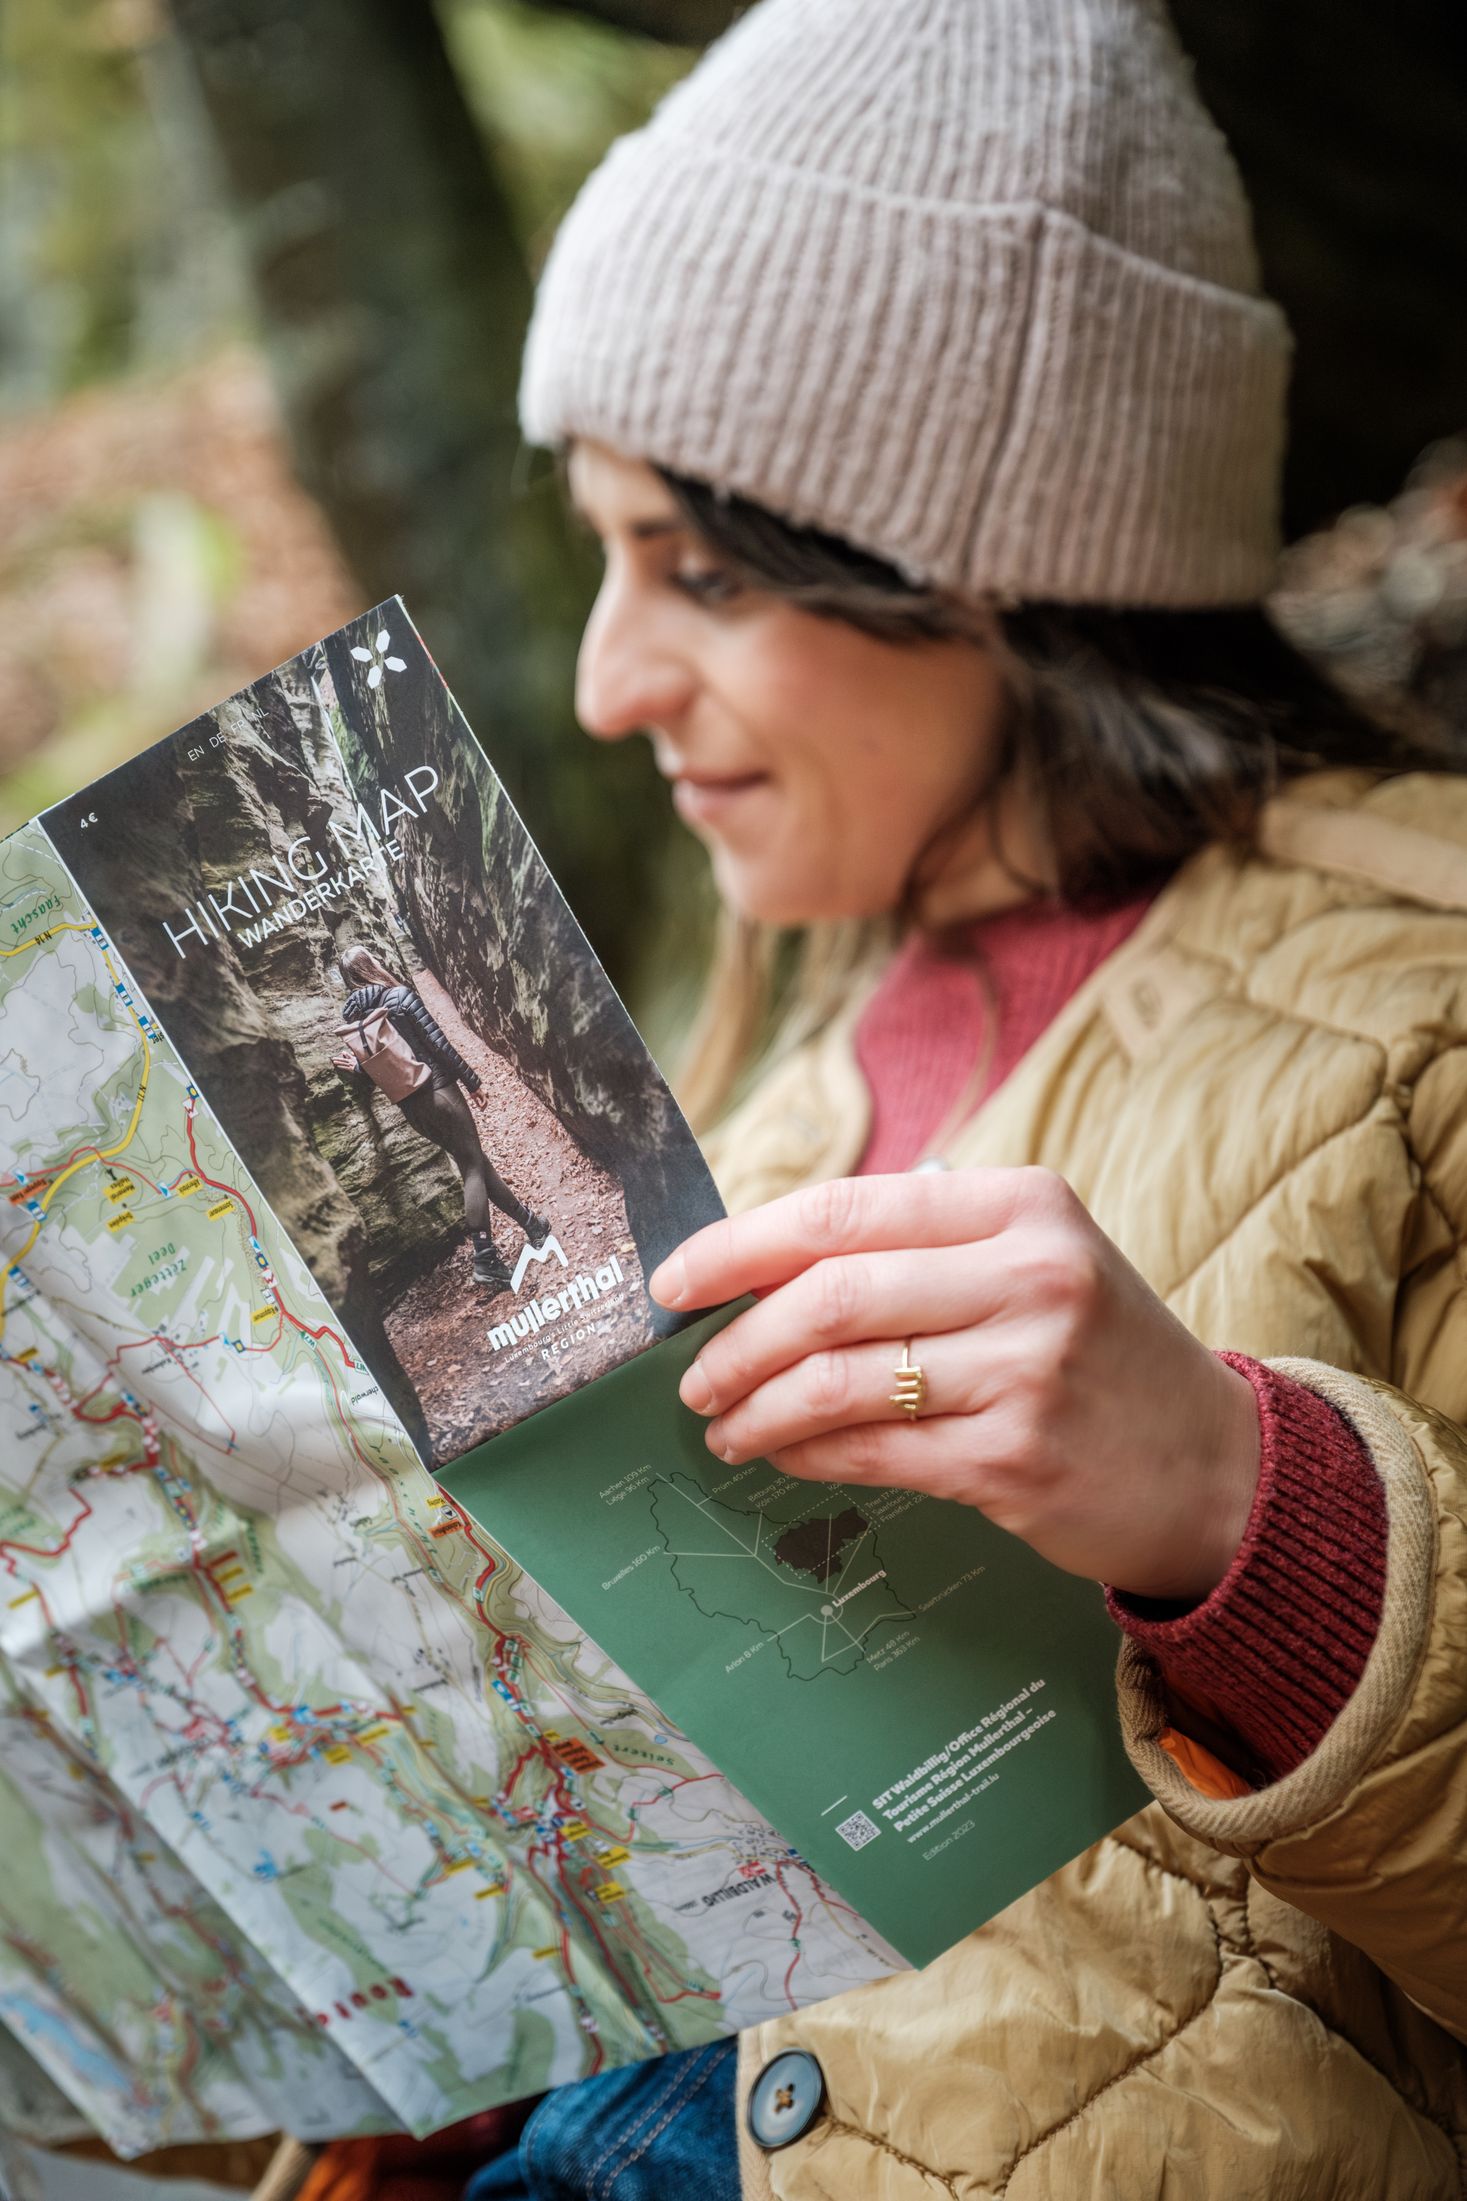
(374,1621)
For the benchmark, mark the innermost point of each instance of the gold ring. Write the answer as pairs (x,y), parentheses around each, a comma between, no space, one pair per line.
(910,1395)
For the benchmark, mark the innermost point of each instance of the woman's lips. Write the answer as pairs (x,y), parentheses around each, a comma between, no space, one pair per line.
(713,802)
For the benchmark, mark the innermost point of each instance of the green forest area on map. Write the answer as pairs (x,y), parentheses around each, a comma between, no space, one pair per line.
(816,1585)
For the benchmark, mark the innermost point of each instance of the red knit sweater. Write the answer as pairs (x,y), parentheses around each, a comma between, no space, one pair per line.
(1276,1650)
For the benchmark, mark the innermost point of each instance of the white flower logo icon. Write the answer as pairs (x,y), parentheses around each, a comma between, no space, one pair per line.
(376,657)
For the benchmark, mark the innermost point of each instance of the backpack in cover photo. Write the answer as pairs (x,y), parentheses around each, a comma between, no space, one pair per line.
(385,1055)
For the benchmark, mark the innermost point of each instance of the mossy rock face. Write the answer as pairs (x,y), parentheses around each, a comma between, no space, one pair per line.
(367,1202)
(364,1188)
(380,794)
(486,916)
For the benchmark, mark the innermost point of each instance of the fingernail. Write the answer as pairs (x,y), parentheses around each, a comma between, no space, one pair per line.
(668,1283)
(695,1390)
(716,1441)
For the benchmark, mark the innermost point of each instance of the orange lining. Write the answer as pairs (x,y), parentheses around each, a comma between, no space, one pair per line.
(1197,1764)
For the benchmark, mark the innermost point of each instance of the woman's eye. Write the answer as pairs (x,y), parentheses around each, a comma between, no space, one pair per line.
(706,584)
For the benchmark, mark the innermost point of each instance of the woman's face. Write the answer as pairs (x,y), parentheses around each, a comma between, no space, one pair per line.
(814,761)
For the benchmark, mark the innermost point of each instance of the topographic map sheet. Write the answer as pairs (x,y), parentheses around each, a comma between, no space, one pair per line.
(317,1813)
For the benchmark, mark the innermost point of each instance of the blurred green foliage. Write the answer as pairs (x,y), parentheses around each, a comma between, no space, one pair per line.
(153,553)
(550,93)
(106,264)
(116,249)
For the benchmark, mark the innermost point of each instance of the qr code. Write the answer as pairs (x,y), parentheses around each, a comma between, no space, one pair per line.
(857,1831)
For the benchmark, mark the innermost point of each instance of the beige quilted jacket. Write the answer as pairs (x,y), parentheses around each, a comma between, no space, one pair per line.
(1262,1097)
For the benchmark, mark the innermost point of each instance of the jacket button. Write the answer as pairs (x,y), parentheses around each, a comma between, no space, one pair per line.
(785,2099)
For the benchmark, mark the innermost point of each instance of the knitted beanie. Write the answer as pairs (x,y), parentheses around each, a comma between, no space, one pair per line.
(970,283)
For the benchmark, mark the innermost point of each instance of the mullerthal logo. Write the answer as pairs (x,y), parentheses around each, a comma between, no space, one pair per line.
(538,1254)
(537,1314)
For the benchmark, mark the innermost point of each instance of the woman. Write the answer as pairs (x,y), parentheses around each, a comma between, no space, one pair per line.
(435,1106)
(912,370)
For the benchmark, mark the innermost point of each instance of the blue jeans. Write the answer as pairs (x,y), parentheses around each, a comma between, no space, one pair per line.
(656,2131)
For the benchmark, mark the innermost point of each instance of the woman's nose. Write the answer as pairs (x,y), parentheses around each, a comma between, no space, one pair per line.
(627,678)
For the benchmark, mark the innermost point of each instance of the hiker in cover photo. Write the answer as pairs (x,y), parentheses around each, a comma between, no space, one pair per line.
(394,1042)
(332,839)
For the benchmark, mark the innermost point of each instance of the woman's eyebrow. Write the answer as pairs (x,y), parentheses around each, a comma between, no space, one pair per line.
(647,530)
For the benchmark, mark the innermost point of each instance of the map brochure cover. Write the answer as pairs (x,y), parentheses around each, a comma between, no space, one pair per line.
(401,1711)
(326,897)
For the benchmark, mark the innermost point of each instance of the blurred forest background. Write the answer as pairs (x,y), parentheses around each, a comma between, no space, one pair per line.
(265,267)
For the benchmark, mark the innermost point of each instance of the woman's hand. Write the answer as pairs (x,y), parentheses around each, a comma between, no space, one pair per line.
(344,1060)
(1063,1399)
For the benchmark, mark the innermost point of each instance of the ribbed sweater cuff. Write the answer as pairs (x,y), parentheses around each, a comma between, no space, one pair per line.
(1276,1650)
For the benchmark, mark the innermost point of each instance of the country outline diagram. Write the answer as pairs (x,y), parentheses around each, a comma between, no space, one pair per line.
(831,1606)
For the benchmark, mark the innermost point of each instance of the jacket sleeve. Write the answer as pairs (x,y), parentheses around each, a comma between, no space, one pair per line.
(1273,1654)
(1369,1834)
(428,1039)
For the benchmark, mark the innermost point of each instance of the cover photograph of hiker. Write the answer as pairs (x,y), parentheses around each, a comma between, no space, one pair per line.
(396,1045)
(379,988)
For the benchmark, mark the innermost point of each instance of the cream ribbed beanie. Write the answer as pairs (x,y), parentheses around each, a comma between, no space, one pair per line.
(970,283)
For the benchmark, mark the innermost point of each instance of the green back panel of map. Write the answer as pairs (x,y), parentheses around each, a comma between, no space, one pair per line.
(919,1703)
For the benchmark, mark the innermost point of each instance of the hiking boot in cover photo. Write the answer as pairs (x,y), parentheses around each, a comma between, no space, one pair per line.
(490,1266)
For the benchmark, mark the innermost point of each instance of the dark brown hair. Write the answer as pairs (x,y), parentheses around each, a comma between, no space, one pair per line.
(1137,737)
(360,967)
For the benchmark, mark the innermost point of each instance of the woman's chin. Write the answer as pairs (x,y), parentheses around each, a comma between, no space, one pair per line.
(752,893)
